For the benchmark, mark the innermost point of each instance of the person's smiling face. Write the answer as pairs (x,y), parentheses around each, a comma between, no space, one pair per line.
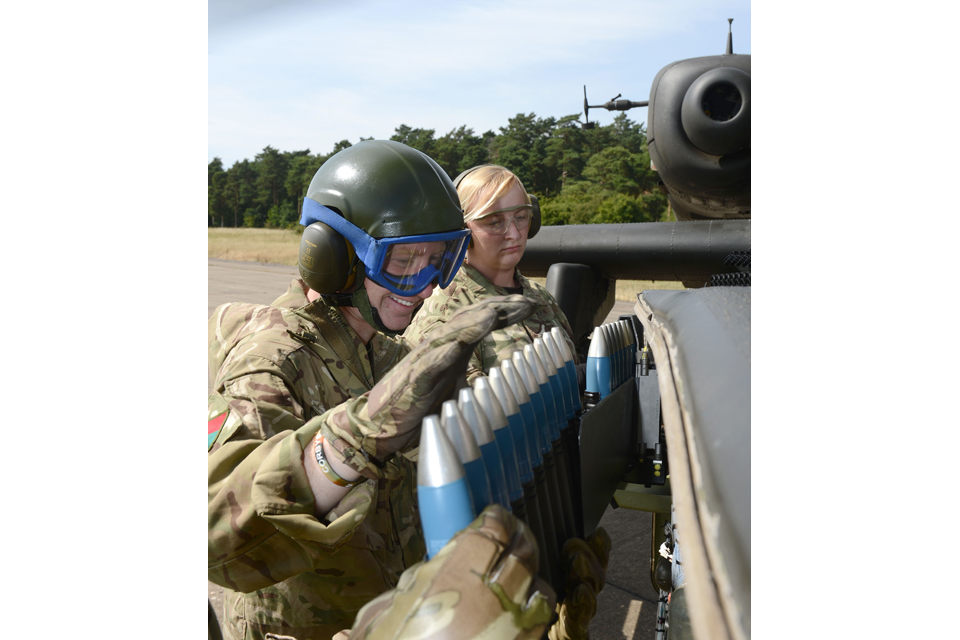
(395,311)
(403,260)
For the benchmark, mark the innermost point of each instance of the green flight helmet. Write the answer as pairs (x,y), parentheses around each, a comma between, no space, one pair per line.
(387,190)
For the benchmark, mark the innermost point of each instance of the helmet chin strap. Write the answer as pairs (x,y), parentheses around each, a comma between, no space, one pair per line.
(361,302)
(368,312)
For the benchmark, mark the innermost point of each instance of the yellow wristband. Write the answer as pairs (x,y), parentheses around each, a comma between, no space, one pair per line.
(328,471)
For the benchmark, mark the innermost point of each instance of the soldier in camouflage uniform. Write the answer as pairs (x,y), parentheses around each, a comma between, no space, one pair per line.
(316,403)
(501,215)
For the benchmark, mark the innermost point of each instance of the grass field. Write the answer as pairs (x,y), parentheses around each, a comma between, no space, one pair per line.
(275,246)
(254,245)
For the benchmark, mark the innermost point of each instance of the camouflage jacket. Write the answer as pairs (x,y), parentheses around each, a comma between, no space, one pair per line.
(468,287)
(276,370)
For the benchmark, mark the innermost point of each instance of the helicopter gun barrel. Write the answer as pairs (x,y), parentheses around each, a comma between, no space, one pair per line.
(679,251)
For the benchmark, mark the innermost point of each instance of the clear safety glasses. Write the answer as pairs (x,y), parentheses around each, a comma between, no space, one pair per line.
(497,222)
(404,266)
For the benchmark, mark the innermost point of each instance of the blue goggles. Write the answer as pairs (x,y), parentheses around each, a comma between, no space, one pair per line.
(404,266)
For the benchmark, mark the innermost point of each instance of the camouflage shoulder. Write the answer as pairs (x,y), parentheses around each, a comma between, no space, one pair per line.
(247,338)
(477,284)
(439,307)
(222,421)
(294,297)
(234,321)
(534,290)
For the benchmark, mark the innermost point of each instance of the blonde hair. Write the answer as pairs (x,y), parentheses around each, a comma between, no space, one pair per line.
(483,186)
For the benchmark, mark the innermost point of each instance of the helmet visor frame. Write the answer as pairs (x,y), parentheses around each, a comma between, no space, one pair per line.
(404,265)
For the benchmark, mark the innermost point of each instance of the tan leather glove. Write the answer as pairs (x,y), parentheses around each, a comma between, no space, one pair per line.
(585,564)
(387,418)
(483,583)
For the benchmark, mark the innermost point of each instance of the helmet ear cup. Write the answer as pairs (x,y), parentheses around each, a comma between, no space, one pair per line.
(534,216)
(326,259)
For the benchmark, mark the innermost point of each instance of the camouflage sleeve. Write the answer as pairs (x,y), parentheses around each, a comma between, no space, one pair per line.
(369,429)
(262,529)
(261,523)
(431,324)
(435,312)
(261,404)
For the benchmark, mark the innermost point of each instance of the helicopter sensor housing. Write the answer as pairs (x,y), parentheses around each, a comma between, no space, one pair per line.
(699,136)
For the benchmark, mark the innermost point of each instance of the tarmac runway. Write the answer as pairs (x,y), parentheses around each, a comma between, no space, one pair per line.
(627,606)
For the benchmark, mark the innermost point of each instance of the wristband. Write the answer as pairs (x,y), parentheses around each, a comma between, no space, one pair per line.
(328,470)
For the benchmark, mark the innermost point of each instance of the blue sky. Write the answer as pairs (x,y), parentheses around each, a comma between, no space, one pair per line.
(294,74)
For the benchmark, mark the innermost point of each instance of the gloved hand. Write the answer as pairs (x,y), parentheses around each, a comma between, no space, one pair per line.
(387,418)
(585,564)
(483,583)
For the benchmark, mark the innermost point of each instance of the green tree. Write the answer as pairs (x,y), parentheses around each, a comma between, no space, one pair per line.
(340,146)
(616,169)
(215,166)
(621,208)
(628,134)
(460,149)
(238,190)
(300,173)
(521,146)
(283,216)
(271,169)
(419,139)
(581,175)
(215,179)
(216,200)
(565,155)
(255,216)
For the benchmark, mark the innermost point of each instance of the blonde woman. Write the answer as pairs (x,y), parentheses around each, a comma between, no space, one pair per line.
(501,216)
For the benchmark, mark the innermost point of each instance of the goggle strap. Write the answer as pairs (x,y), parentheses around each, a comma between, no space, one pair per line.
(364,246)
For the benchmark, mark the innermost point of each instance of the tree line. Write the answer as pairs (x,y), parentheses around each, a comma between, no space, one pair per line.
(580,176)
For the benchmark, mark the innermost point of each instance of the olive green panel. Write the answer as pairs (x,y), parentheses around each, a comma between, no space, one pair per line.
(656,499)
